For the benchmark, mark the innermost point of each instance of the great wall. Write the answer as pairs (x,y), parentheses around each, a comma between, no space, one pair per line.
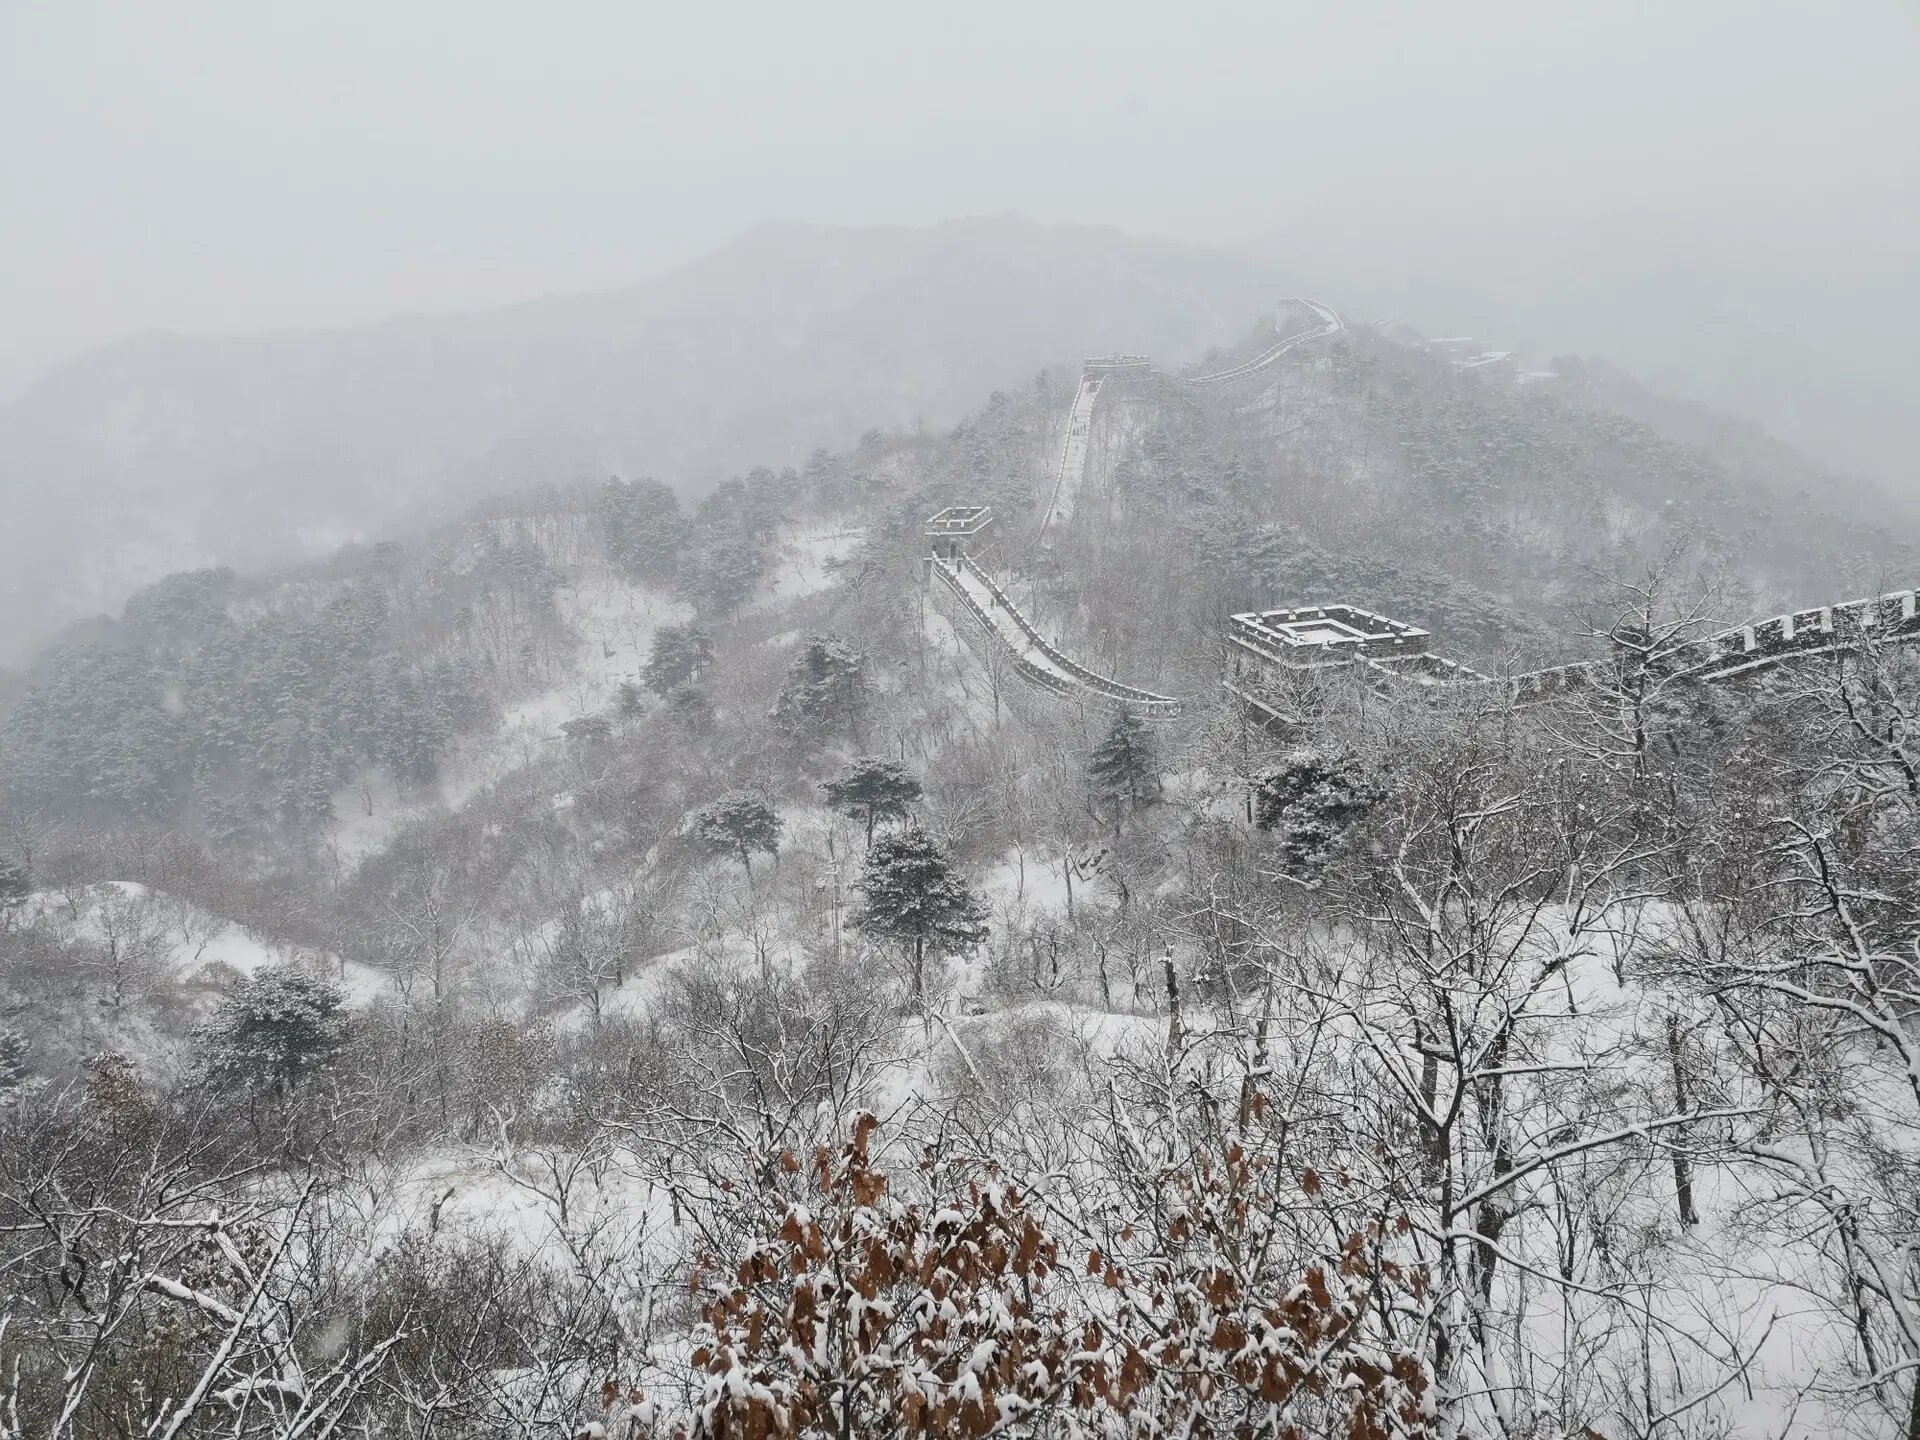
(1096,373)
(1262,645)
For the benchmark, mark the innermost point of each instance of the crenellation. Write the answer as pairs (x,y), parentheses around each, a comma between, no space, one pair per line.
(954,530)
(1313,636)
(1034,657)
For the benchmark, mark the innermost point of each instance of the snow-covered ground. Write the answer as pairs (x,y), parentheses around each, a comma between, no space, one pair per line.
(806,565)
(615,621)
(179,938)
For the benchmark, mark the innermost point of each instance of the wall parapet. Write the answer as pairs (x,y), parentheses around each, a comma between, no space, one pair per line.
(1146,700)
(1291,638)
(1068,676)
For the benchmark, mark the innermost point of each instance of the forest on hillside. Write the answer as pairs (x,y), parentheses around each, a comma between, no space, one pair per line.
(616,966)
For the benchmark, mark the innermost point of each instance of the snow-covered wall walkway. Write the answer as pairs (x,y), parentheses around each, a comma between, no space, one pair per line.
(1035,658)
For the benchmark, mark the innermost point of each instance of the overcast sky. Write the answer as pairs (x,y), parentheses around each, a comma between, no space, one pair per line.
(238,165)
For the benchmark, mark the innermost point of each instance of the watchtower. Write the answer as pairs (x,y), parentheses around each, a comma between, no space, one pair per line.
(1120,365)
(958,528)
(1317,635)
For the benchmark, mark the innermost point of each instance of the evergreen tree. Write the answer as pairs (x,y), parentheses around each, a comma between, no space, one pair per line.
(115,1097)
(1123,762)
(181,606)
(737,824)
(678,655)
(724,576)
(825,479)
(628,701)
(826,689)
(691,708)
(1310,800)
(279,1025)
(872,788)
(13,1062)
(587,729)
(642,528)
(15,884)
(913,898)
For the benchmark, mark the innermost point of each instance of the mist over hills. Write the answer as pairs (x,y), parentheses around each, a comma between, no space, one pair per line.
(493,880)
(167,452)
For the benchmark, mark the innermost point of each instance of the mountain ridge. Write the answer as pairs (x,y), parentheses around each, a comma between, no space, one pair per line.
(165,451)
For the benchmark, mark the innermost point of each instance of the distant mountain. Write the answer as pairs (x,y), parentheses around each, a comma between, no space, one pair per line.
(170,451)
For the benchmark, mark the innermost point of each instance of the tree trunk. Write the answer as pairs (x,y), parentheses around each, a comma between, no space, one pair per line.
(1176,1032)
(1682,1162)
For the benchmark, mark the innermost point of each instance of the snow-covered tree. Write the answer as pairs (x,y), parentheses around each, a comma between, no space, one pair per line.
(725,573)
(738,824)
(1123,764)
(587,729)
(15,884)
(1310,799)
(678,655)
(691,707)
(278,1026)
(827,689)
(913,897)
(642,528)
(872,788)
(13,1061)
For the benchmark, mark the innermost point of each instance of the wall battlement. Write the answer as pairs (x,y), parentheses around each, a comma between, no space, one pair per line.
(949,530)
(1034,657)
(1396,652)
(1317,635)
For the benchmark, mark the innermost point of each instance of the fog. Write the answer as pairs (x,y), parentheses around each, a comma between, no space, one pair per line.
(689,693)
(1722,195)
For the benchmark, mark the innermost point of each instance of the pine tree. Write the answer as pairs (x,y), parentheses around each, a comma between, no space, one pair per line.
(587,729)
(15,884)
(1123,762)
(628,701)
(1310,800)
(642,528)
(13,1062)
(737,824)
(725,575)
(827,688)
(279,1025)
(872,788)
(691,707)
(914,898)
(678,655)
